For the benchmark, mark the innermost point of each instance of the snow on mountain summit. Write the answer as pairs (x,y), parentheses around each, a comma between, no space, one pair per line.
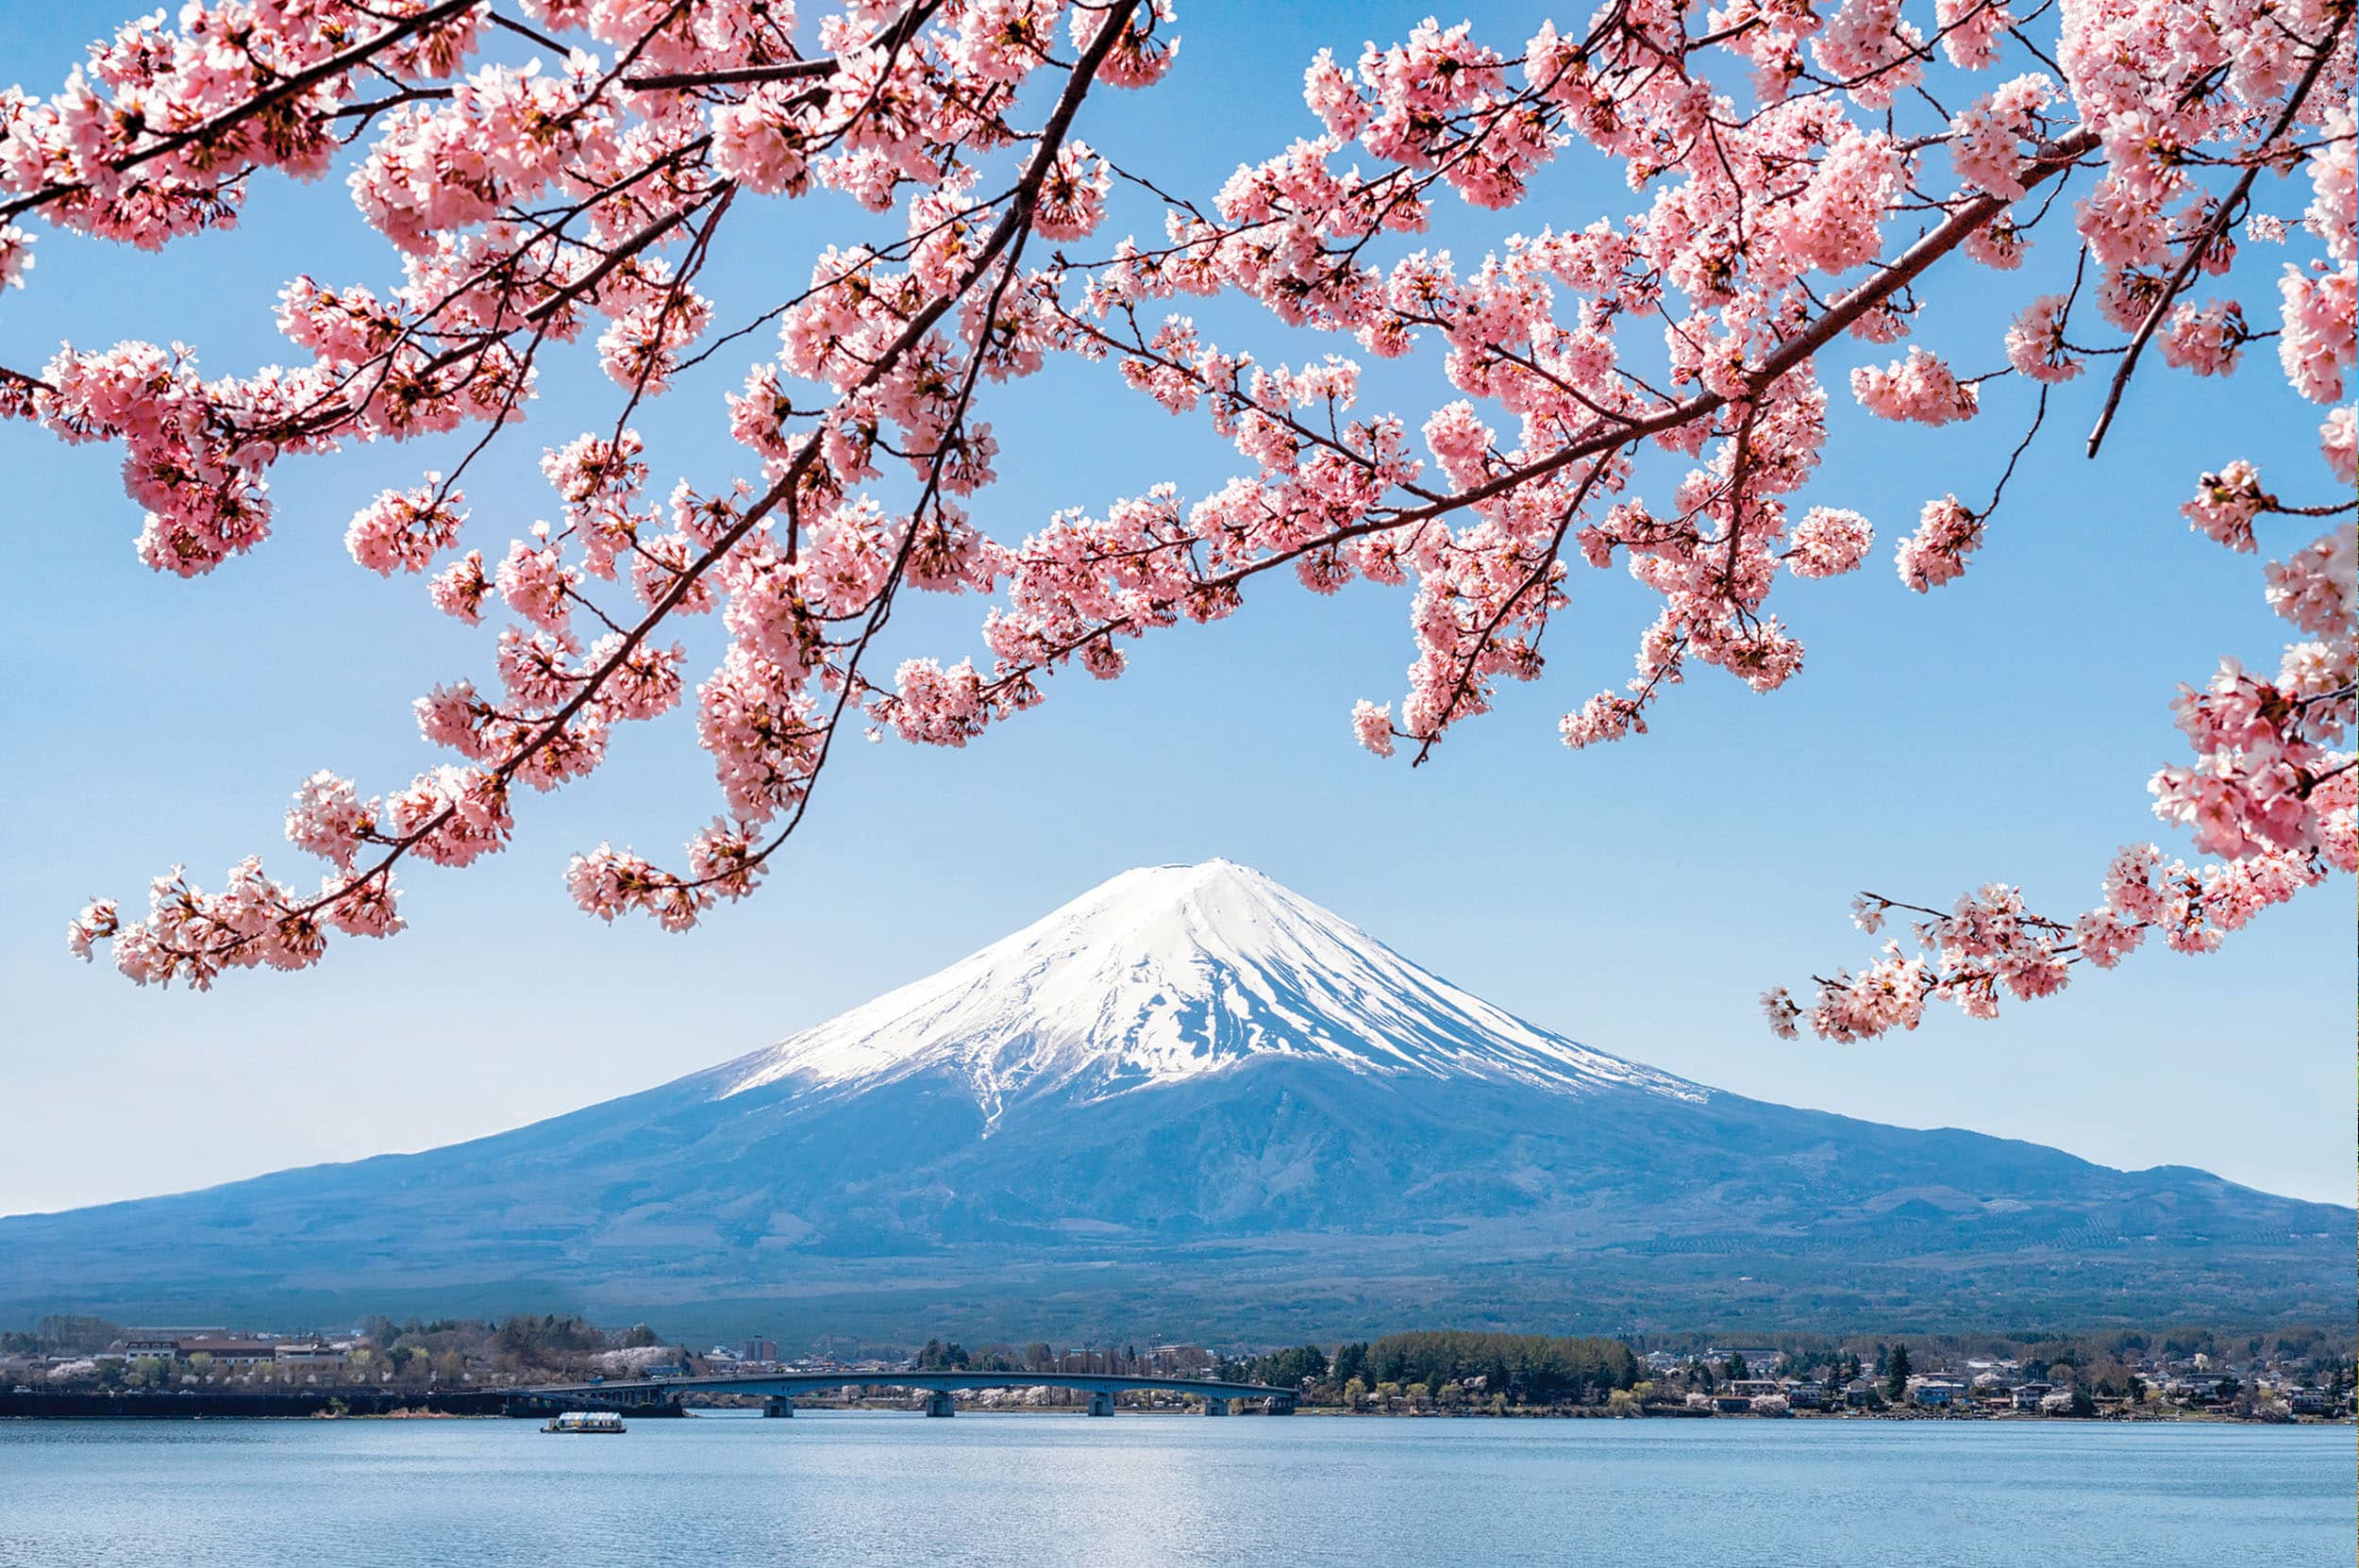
(1165,973)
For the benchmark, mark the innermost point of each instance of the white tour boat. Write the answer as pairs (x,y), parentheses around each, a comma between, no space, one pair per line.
(586,1421)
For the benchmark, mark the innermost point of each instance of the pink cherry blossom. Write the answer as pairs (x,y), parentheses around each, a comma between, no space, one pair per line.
(329,819)
(1946,532)
(2036,343)
(1372,723)
(1988,139)
(1920,388)
(403,530)
(1641,387)
(2225,503)
(2338,440)
(2314,345)
(1829,541)
(2207,340)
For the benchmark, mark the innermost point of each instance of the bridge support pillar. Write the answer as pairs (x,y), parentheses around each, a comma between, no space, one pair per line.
(1101,1403)
(1281,1403)
(938,1403)
(1215,1406)
(777,1403)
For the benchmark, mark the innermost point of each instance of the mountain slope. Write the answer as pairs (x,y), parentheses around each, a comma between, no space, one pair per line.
(1191,1098)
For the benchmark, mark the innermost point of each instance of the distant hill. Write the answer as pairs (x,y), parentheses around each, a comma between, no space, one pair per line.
(1192,1101)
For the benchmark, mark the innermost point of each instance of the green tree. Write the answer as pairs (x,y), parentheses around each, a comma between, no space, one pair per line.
(941,1356)
(1897,1373)
(1531,1368)
(1351,1364)
(1287,1369)
(1736,1367)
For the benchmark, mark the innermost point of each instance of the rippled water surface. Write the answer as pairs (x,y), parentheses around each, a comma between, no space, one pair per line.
(878,1488)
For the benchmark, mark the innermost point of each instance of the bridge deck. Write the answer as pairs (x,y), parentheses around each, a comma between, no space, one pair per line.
(793,1383)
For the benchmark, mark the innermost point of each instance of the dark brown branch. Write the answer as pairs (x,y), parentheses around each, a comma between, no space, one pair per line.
(787,71)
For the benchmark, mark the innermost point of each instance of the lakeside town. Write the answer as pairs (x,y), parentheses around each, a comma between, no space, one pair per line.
(66,1364)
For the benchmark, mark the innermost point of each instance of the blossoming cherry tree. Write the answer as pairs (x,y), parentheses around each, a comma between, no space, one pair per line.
(549,170)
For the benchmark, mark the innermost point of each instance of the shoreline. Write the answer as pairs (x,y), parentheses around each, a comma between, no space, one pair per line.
(487,1405)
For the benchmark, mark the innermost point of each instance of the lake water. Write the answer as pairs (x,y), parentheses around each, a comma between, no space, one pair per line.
(882,1488)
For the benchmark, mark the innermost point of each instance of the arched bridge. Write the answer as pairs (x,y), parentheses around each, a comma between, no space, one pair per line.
(780,1387)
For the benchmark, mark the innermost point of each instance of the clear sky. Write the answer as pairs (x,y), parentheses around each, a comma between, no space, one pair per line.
(1637,896)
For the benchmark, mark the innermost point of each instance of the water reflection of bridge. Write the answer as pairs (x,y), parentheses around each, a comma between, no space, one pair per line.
(778,1389)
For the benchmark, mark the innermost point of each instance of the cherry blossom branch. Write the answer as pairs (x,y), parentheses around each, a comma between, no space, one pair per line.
(903,29)
(1959,227)
(533,205)
(1955,230)
(786,71)
(293,924)
(2212,230)
(262,102)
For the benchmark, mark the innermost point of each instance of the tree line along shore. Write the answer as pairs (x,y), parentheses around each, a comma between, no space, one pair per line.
(88,1367)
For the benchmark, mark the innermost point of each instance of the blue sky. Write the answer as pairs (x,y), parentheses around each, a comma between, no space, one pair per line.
(1637,896)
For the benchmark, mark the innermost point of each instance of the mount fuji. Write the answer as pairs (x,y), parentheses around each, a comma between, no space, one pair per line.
(1194,1101)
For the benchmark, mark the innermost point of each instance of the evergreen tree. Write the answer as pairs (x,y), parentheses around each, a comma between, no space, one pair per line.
(1897,1373)
(1351,1360)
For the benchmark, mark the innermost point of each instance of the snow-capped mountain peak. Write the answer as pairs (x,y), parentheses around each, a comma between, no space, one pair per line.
(1191,1092)
(1166,973)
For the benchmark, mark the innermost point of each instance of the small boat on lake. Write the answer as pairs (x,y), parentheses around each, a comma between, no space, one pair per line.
(586,1421)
